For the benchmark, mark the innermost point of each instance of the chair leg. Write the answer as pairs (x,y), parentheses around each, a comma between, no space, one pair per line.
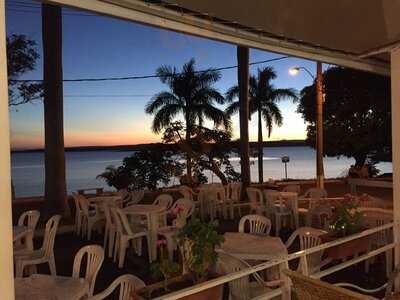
(52,266)
(277,225)
(106,236)
(19,269)
(389,262)
(116,249)
(111,242)
(122,253)
(149,249)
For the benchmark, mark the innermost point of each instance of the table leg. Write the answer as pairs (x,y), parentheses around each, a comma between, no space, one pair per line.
(153,227)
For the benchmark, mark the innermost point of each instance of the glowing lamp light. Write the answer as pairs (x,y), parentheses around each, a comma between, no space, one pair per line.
(294,71)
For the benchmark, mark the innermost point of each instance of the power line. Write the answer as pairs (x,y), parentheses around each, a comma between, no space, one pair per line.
(150,76)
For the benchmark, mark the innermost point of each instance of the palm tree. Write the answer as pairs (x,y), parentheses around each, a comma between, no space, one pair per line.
(192,95)
(263,100)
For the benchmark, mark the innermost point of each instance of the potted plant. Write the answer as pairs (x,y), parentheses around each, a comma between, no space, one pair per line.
(346,220)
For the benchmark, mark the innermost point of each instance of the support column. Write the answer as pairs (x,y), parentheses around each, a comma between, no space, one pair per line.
(6,253)
(243,81)
(320,128)
(395,81)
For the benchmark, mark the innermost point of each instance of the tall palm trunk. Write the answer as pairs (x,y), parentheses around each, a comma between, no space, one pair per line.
(260,148)
(55,186)
(243,83)
(188,155)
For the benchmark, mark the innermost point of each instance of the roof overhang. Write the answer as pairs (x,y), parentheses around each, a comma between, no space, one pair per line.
(213,20)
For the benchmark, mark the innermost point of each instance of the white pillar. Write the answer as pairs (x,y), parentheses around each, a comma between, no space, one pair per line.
(6,251)
(395,81)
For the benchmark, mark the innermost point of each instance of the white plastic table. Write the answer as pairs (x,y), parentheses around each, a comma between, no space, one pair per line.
(23,232)
(253,247)
(47,287)
(152,214)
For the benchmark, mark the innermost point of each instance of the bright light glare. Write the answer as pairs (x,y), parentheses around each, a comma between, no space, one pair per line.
(294,71)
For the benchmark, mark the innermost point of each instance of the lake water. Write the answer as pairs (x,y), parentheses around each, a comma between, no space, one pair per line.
(83,167)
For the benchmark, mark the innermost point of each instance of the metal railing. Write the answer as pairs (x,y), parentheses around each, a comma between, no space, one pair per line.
(284,262)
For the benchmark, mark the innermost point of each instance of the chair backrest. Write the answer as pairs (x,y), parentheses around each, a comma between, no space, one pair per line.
(50,235)
(255,196)
(307,288)
(259,225)
(117,220)
(124,221)
(126,196)
(127,285)
(186,205)
(94,258)
(316,193)
(233,191)
(186,192)
(294,188)
(83,204)
(238,288)
(164,200)
(78,208)
(136,196)
(29,218)
(321,214)
(107,213)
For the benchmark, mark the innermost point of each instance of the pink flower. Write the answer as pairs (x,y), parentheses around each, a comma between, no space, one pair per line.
(161,243)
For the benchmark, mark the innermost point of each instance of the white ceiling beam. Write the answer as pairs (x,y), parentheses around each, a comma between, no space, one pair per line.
(160,17)
(380,50)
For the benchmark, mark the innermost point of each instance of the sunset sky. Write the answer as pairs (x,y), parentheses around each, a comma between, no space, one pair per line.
(112,113)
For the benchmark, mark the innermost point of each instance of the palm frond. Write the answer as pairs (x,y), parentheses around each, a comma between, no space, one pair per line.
(164,116)
(159,100)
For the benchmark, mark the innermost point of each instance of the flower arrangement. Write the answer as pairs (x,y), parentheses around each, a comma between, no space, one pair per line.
(346,219)
(197,241)
(164,268)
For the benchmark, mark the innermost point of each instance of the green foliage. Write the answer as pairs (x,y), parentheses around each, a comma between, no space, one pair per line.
(200,240)
(164,268)
(210,149)
(356,116)
(21,58)
(347,220)
(191,94)
(144,169)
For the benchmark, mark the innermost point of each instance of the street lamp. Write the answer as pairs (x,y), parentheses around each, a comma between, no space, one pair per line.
(319,99)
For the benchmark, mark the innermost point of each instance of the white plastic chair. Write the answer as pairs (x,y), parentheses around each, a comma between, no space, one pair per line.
(309,237)
(29,219)
(94,259)
(110,229)
(90,217)
(241,288)
(187,206)
(315,195)
(126,233)
(43,255)
(277,208)
(258,225)
(135,197)
(78,214)
(234,190)
(187,192)
(127,285)
(164,200)
(256,199)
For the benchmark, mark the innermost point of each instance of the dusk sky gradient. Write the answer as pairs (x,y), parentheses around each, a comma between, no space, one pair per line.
(95,46)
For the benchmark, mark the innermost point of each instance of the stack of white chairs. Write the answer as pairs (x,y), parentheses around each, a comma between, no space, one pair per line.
(40,256)
(315,197)
(257,204)
(110,230)
(29,219)
(127,233)
(233,195)
(278,209)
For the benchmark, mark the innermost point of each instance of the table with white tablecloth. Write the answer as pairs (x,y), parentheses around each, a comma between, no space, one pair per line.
(47,287)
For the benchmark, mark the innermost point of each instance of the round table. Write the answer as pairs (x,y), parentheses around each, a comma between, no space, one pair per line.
(23,232)
(47,287)
(253,247)
(152,214)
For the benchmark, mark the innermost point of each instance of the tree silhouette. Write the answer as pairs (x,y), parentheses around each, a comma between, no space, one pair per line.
(192,96)
(263,98)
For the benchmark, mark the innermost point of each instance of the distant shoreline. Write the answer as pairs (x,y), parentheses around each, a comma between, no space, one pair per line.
(161,146)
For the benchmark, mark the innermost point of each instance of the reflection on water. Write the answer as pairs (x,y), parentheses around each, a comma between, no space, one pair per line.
(83,167)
